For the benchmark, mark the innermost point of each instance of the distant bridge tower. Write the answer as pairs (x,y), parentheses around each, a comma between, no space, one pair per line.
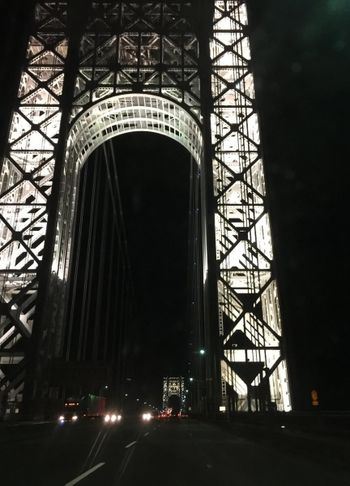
(173,386)
(96,69)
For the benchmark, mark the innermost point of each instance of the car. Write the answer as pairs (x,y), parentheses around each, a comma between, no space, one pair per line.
(71,413)
(146,416)
(69,416)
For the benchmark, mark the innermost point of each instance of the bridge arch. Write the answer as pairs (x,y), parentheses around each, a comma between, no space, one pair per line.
(102,121)
(132,112)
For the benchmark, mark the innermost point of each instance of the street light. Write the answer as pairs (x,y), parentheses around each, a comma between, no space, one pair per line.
(202,351)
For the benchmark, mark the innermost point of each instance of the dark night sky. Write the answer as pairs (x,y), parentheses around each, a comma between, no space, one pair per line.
(154,180)
(302,69)
(301,62)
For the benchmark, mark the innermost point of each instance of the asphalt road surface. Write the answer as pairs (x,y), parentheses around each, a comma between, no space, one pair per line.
(182,452)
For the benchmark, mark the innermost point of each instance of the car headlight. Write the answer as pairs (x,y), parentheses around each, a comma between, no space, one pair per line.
(61,418)
(107,418)
(146,416)
(75,417)
(113,418)
(119,417)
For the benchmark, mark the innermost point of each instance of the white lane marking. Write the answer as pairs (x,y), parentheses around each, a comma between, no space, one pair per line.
(131,444)
(88,461)
(86,473)
(145,435)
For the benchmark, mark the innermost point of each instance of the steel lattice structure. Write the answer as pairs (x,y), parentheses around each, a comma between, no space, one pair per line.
(130,66)
(173,385)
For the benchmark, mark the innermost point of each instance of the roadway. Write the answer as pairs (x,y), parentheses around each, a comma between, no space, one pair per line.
(182,452)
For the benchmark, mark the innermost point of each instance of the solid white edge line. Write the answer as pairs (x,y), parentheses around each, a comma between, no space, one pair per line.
(147,433)
(86,473)
(131,444)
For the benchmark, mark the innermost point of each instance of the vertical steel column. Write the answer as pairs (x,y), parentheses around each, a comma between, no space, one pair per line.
(253,369)
(204,12)
(44,335)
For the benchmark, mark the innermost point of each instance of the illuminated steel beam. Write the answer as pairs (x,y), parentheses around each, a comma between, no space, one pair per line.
(25,188)
(250,323)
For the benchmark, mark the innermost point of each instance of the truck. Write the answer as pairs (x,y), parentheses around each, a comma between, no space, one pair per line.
(89,407)
(93,406)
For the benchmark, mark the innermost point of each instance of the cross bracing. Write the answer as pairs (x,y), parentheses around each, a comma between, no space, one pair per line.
(173,385)
(246,286)
(131,66)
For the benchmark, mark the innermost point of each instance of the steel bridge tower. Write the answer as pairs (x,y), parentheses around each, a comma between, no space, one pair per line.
(173,385)
(95,69)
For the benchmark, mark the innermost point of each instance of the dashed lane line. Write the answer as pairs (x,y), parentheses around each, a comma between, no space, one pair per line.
(131,444)
(86,473)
